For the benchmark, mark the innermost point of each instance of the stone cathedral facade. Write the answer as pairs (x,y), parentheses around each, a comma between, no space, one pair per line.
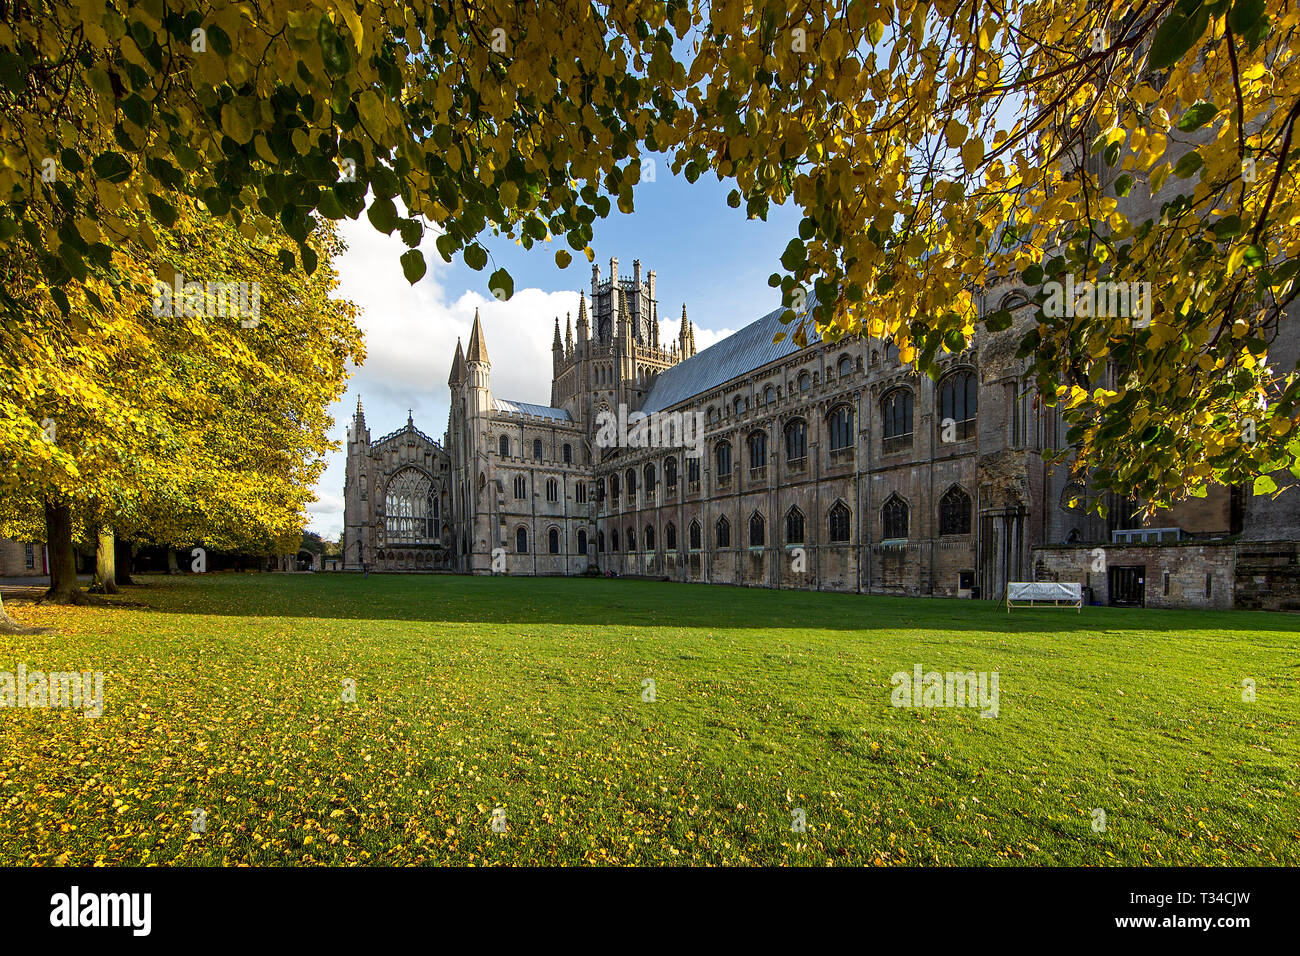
(830,467)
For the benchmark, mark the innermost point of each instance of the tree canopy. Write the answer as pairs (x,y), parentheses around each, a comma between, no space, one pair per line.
(938,151)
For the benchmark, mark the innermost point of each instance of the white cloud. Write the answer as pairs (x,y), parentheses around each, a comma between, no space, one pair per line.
(410,334)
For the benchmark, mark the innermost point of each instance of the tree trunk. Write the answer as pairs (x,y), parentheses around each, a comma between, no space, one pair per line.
(63,556)
(172,566)
(105,561)
(123,559)
(9,626)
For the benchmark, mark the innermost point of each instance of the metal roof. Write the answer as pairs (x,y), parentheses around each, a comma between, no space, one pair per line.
(523,408)
(743,351)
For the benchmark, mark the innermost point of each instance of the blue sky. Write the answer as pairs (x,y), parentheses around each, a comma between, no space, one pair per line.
(704,253)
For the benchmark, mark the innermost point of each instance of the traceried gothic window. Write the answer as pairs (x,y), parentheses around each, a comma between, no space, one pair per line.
(670,472)
(838,522)
(650,477)
(840,425)
(954,512)
(670,536)
(757,449)
(893,516)
(722,533)
(695,536)
(958,399)
(796,442)
(409,508)
(805,381)
(769,395)
(896,410)
(631,540)
(794,526)
(649,538)
(692,471)
(757,531)
(723,457)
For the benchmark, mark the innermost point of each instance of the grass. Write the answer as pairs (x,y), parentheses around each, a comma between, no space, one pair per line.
(224,692)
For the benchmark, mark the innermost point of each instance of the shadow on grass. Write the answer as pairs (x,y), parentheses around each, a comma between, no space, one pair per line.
(603,602)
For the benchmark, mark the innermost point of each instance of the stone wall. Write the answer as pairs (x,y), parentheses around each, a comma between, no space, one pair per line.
(1188,574)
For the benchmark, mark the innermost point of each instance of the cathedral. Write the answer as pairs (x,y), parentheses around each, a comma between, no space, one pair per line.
(830,466)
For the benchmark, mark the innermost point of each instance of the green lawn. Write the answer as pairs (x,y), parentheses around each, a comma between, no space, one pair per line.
(224,692)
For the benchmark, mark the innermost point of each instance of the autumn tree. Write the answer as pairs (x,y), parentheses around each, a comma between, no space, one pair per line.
(199,414)
(937,150)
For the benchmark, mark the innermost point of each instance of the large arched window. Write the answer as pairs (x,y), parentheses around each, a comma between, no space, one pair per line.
(893,516)
(896,410)
(613,539)
(722,533)
(839,522)
(695,536)
(757,530)
(757,450)
(670,536)
(805,381)
(553,541)
(769,395)
(503,446)
(722,456)
(796,442)
(613,490)
(410,509)
(845,366)
(600,489)
(670,472)
(631,540)
(521,540)
(600,542)
(794,526)
(954,512)
(568,454)
(648,472)
(648,539)
(840,424)
(582,541)
(537,448)
(630,480)
(958,400)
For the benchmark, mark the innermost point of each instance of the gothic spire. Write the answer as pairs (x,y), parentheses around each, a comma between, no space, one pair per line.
(477,349)
(568,332)
(457,367)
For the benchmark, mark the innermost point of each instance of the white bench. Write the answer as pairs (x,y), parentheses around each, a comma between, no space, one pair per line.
(1044,594)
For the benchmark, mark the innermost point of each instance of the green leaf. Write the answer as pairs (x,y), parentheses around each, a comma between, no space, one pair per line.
(334,49)
(502,285)
(1249,19)
(309,259)
(112,167)
(1264,485)
(1197,116)
(998,321)
(1178,33)
(162,211)
(475,257)
(562,258)
(413,265)
(1188,165)
(1123,184)
(383,215)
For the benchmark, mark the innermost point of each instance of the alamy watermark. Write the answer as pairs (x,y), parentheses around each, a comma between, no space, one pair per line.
(71,690)
(209,300)
(951,689)
(1101,299)
(652,430)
